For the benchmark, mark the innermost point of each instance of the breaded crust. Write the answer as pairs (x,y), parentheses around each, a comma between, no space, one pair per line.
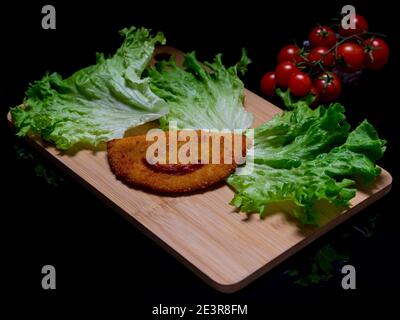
(126,158)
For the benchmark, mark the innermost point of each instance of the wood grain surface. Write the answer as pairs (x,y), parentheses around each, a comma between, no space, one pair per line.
(225,248)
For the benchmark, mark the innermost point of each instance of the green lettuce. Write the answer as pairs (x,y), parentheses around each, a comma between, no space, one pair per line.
(97,103)
(304,156)
(200,98)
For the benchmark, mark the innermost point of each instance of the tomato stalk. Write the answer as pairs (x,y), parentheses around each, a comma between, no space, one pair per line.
(319,63)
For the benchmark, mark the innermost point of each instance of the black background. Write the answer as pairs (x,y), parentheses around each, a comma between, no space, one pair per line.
(98,254)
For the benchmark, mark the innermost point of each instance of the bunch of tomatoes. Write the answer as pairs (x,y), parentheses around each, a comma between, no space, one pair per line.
(330,54)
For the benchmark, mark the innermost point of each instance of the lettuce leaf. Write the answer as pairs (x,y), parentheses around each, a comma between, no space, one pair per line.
(306,155)
(302,134)
(201,99)
(97,103)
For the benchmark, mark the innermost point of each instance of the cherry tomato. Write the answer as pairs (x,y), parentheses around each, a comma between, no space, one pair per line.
(290,53)
(376,53)
(350,57)
(329,86)
(361,25)
(283,72)
(315,93)
(268,84)
(299,84)
(321,53)
(322,36)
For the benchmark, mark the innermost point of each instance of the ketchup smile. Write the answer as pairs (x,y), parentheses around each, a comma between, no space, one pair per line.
(173,169)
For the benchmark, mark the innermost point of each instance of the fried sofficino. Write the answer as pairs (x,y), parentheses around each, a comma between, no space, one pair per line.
(168,164)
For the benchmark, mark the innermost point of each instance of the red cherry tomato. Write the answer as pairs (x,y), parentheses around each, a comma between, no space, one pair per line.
(376,53)
(322,36)
(290,53)
(299,84)
(360,23)
(321,53)
(350,57)
(283,72)
(268,84)
(329,86)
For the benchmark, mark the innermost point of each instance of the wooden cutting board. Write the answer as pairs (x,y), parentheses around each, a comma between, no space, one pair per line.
(225,248)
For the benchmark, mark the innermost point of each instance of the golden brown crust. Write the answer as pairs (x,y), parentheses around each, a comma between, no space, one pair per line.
(126,161)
